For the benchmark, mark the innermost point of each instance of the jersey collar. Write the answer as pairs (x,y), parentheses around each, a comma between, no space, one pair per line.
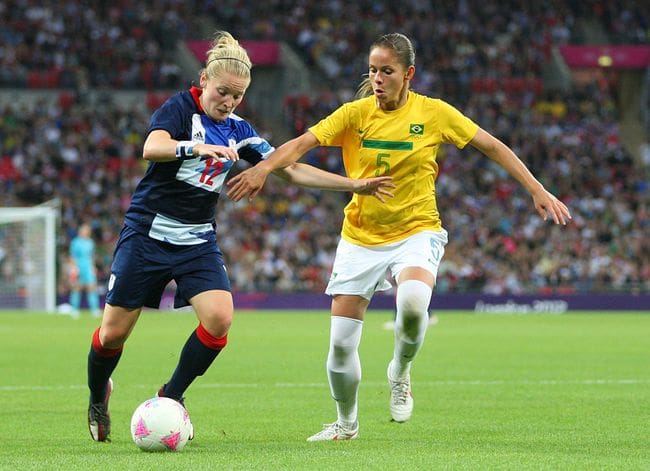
(196,93)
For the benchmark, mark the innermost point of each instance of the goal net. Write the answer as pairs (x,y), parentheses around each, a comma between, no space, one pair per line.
(28,258)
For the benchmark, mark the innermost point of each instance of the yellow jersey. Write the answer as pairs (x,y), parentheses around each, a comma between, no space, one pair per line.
(403,144)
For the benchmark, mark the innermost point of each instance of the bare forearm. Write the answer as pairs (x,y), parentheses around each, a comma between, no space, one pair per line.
(288,153)
(504,156)
(545,203)
(283,161)
(515,167)
(159,150)
(312,177)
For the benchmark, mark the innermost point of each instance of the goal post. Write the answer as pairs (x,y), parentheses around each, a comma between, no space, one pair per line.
(28,258)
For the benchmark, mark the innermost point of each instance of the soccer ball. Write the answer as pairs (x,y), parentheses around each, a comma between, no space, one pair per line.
(160,424)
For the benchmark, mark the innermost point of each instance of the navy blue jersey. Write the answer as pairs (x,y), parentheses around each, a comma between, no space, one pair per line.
(175,201)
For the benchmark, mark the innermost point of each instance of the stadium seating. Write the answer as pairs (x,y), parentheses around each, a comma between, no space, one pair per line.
(497,243)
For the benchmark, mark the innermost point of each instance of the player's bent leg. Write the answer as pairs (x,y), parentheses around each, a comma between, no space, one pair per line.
(199,351)
(413,297)
(117,324)
(104,355)
(344,367)
(214,309)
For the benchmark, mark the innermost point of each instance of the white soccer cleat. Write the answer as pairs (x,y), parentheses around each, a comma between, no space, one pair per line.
(401,400)
(335,431)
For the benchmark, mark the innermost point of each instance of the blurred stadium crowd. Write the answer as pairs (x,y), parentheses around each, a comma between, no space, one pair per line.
(487,61)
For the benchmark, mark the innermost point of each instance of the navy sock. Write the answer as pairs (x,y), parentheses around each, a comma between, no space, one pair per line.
(101,363)
(197,355)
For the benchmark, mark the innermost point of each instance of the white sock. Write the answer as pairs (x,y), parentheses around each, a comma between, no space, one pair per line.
(411,324)
(344,366)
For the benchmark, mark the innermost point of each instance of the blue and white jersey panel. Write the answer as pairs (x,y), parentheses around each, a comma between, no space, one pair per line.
(170,230)
(208,173)
(175,201)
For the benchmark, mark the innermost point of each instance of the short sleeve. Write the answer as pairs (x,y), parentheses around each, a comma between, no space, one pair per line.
(170,117)
(331,130)
(455,127)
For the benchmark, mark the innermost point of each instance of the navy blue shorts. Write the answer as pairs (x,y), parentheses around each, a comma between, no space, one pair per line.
(142,268)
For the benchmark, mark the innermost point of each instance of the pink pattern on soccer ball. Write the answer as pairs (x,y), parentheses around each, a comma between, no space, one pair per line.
(172,440)
(141,429)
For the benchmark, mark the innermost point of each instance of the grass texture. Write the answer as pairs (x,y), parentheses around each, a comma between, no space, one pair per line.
(491,392)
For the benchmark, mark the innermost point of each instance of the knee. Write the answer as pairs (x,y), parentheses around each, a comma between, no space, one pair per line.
(216,321)
(409,326)
(341,357)
(113,337)
(345,338)
(413,298)
(339,354)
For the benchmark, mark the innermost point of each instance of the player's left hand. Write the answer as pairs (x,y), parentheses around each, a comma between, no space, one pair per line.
(215,151)
(547,204)
(379,187)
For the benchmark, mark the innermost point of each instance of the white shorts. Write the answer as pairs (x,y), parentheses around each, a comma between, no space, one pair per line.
(362,270)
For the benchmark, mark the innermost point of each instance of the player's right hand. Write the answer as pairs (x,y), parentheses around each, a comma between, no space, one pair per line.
(379,187)
(247,184)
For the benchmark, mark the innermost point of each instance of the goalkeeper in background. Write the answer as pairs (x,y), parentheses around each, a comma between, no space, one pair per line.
(82,271)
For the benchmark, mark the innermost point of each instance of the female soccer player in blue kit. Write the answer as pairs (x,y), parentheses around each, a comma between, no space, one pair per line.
(389,130)
(82,255)
(169,230)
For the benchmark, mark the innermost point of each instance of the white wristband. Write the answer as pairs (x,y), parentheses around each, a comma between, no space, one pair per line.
(184,150)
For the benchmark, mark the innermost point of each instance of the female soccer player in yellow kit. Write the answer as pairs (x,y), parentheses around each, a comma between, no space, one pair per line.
(394,131)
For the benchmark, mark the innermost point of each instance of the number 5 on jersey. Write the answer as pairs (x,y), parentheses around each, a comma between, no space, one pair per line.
(383,164)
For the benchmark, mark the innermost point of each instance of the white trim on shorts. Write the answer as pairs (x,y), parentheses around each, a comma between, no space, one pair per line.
(360,270)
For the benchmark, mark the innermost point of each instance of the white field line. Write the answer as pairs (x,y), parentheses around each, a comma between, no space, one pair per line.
(441,383)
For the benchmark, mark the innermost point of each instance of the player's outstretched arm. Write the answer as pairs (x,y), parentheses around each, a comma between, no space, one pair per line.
(313,177)
(545,202)
(249,182)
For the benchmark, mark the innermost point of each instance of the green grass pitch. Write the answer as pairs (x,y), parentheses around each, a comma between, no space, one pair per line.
(491,392)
